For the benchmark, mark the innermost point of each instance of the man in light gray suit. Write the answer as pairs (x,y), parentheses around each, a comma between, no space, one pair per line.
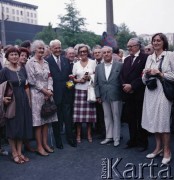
(108,92)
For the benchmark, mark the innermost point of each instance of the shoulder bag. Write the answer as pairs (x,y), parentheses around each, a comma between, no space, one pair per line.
(91,92)
(168,86)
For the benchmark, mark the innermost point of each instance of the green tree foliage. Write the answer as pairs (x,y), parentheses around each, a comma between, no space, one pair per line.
(18,42)
(72,28)
(47,34)
(71,21)
(124,35)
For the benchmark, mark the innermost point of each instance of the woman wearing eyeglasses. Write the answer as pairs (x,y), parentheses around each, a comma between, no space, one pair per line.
(84,112)
(156,107)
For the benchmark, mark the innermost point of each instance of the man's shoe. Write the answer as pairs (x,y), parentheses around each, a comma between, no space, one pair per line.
(130,145)
(142,149)
(60,146)
(72,143)
(116,143)
(106,141)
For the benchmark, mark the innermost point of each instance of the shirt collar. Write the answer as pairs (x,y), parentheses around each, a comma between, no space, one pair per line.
(110,63)
(137,54)
(55,57)
(156,59)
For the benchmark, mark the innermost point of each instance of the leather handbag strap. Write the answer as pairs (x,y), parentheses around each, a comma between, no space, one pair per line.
(161,62)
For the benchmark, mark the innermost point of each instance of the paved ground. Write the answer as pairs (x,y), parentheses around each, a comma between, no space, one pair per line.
(89,161)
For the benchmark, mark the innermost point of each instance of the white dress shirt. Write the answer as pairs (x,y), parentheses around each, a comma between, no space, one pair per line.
(108,67)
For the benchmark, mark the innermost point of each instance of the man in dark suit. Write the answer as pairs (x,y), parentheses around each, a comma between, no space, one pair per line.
(108,91)
(60,70)
(100,124)
(133,94)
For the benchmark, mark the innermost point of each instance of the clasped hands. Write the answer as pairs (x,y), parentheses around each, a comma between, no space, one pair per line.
(84,79)
(47,92)
(127,88)
(153,72)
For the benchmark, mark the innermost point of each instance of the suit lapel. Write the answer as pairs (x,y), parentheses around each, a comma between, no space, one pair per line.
(103,71)
(112,70)
(53,63)
(135,64)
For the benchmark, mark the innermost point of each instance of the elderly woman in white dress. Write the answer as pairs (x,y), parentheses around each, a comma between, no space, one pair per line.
(41,86)
(156,107)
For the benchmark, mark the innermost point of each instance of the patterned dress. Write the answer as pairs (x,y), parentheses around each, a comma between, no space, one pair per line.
(19,127)
(39,78)
(156,107)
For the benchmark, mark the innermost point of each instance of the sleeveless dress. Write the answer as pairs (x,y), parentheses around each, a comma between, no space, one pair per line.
(19,127)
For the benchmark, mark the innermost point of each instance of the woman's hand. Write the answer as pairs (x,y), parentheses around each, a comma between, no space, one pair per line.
(47,92)
(7,100)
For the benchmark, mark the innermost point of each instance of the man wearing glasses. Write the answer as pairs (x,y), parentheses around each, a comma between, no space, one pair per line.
(133,93)
(148,49)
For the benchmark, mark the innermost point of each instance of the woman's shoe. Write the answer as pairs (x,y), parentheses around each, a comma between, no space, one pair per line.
(78,139)
(49,150)
(24,158)
(42,153)
(153,155)
(166,160)
(90,140)
(16,159)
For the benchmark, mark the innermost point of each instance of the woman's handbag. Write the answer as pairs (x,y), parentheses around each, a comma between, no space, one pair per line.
(9,90)
(168,86)
(151,82)
(48,109)
(91,92)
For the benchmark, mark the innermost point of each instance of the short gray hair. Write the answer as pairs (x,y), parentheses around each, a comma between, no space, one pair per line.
(136,40)
(37,43)
(54,42)
(108,47)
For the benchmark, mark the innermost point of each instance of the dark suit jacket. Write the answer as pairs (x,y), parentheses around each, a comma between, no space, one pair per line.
(108,90)
(61,93)
(132,74)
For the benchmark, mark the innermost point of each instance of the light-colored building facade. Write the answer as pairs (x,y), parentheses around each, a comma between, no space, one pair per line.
(19,12)
(148,37)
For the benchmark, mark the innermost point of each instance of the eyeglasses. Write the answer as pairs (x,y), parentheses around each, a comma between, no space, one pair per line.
(148,49)
(83,52)
(128,47)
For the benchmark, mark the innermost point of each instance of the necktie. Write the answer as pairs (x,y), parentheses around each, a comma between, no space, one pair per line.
(132,59)
(59,63)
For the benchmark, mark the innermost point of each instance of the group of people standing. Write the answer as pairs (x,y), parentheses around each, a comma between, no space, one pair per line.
(120,88)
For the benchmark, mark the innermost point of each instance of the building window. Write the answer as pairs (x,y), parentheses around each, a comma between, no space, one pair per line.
(31,14)
(13,11)
(21,12)
(35,15)
(28,20)
(7,16)
(17,12)
(7,10)
(17,18)
(28,14)
(13,18)
(31,21)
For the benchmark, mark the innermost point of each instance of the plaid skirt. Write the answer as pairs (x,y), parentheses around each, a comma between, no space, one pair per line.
(83,110)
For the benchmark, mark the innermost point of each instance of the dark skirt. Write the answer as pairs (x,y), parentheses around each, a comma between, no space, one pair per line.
(83,110)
